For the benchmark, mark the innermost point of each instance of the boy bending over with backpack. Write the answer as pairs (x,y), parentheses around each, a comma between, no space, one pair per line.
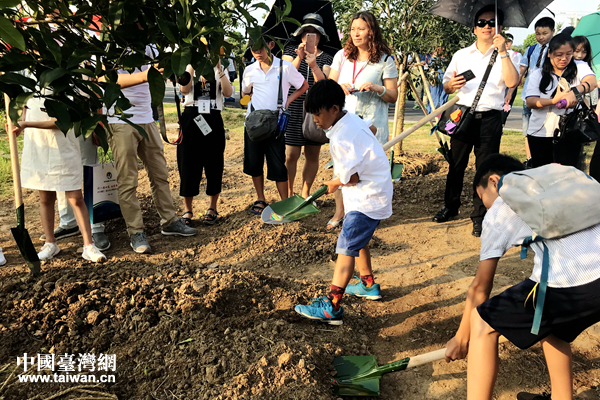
(363,173)
(565,281)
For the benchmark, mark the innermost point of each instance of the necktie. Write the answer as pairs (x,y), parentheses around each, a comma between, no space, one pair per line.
(537,64)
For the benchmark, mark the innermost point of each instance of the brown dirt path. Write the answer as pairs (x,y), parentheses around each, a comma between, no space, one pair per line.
(211,316)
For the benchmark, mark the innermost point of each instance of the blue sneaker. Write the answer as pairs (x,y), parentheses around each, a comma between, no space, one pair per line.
(360,290)
(321,309)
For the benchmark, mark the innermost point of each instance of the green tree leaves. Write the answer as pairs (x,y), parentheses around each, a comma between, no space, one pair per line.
(10,34)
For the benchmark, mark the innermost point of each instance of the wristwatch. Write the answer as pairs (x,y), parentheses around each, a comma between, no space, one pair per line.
(504,56)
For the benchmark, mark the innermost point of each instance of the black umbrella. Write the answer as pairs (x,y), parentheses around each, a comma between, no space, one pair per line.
(300,8)
(517,13)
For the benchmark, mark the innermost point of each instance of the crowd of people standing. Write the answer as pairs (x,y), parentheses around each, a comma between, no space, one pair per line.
(347,96)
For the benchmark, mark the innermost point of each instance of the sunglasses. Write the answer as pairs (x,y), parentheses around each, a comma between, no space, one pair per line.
(482,23)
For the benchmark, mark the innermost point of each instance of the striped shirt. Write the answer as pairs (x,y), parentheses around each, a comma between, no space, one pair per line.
(574,259)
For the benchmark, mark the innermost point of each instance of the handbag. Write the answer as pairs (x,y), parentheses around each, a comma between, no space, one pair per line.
(262,124)
(311,131)
(455,120)
(578,127)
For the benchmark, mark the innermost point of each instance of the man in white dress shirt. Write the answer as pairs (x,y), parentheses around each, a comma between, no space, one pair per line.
(486,128)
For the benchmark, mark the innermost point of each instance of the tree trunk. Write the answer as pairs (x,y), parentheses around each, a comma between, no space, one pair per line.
(401,104)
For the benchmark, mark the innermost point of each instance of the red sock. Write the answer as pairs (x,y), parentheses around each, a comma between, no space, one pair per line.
(335,295)
(367,280)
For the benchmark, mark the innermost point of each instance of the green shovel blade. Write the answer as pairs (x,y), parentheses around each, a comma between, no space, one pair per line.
(360,375)
(292,208)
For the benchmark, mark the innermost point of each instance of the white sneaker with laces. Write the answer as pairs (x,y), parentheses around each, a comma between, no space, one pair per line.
(48,251)
(91,253)
(2,259)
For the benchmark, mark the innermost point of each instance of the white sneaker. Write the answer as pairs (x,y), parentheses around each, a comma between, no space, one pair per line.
(48,251)
(2,259)
(91,253)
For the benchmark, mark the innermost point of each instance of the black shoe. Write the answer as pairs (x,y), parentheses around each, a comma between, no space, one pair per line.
(477,228)
(444,215)
(527,163)
(531,396)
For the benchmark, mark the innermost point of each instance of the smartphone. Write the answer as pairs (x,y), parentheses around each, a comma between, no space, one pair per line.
(311,39)
(564,85)
(468,75)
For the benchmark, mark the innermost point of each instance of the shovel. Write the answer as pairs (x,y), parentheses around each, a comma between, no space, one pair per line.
(20,234)
(293,208)
(396,168)
(360,375)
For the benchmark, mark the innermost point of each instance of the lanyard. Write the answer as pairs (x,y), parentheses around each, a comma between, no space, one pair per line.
(354,70)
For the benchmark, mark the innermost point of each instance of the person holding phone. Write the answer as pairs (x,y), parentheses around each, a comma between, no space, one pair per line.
(545,90)
(313,63)
(203,142)
(366,71)
(486,128)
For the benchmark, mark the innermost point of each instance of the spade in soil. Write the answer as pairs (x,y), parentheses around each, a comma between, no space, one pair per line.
(293,208)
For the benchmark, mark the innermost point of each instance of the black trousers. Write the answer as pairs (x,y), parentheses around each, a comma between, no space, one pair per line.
(486,133)
(544,152)
(197,153)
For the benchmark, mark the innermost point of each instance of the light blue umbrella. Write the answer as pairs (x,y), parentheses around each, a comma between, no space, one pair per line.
(589,26)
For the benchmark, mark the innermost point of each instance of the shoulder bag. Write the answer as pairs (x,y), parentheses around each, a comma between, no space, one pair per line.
(262,124)
(455,120)
(578,127)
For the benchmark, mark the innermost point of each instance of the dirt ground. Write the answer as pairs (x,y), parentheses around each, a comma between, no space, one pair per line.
(211,317)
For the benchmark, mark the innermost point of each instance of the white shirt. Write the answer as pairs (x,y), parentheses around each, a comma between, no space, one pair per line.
(138,96)
(355,150)
(367,104)
(265,86)
(217,104)
(574,259)
(530,63)
(543,121)
(471,58)
(515,57)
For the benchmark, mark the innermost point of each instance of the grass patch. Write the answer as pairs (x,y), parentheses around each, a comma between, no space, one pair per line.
(6,180)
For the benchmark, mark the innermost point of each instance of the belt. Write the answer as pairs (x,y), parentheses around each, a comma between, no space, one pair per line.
(481,114)
(194,104)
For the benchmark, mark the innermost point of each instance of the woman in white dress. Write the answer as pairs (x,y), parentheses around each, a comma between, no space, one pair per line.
(51,162)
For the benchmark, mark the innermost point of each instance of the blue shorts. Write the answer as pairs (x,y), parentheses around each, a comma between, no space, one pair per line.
(357,232)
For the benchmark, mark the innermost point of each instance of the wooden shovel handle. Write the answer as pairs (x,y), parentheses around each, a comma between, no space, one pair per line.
(419,124)
(435,356)
(14,155)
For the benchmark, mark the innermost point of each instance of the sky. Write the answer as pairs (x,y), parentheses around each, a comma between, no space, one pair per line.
(565,10)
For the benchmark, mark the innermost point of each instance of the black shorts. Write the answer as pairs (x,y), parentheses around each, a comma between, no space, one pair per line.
(567,312)
(254,158)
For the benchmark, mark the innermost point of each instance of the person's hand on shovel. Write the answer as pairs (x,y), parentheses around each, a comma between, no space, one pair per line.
(17,128)
(456,349)
(334,185)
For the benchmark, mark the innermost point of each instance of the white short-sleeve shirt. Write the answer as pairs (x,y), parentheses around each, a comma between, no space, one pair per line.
(470,58)
(265,86)
(138,96)
(367,104)
(354,149)
(544,120)
(574,259)
(531,64)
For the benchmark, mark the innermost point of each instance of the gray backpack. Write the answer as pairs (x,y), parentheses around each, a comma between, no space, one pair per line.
(554,201)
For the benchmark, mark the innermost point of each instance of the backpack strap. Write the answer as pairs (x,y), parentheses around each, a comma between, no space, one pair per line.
(530,51)
(280,93)
(538,305)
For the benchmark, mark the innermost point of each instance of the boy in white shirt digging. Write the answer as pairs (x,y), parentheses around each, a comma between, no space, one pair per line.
(571,301)
(363,174)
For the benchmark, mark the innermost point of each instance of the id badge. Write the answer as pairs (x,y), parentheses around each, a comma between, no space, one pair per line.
(203,125)
(204,106)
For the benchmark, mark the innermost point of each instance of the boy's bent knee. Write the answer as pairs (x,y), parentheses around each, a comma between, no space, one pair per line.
(479,327)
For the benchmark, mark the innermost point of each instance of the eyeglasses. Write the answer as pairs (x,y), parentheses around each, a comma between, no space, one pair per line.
(482,23)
